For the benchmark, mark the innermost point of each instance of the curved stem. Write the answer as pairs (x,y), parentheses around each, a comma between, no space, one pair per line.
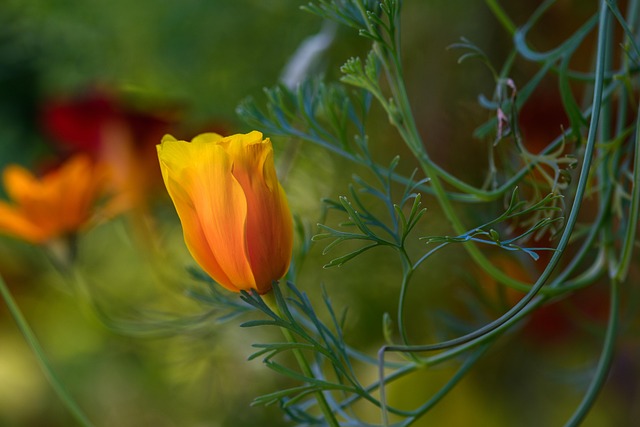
(44,363)
(603,365)
(407,272)
(634,211)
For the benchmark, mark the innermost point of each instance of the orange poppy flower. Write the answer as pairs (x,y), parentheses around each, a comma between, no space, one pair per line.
(54,206)
(234,213)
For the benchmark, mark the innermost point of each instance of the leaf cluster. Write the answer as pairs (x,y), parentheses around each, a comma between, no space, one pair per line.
(296,316)
(365,224)
(487,234)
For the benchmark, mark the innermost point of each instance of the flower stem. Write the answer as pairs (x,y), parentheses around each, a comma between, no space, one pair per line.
(33,342)
(271,301)
(604,364)
(501,16)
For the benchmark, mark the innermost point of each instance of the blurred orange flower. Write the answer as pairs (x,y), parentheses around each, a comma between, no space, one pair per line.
(234,213)
(54,206)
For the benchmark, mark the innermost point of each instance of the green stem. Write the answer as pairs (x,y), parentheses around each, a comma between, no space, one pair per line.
(604,156)
(603,365)
(634,211)
(407,272)
(329,416)
(501,16)
(44,363)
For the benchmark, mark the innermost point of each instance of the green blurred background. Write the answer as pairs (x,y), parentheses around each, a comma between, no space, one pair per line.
(186,64)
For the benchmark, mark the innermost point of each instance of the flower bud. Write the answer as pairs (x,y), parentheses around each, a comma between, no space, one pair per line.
(234,213)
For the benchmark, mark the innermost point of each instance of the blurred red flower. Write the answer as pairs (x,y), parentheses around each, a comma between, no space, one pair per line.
(109,130)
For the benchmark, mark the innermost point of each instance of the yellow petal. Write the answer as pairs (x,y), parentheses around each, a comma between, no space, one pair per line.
(204,138)
(168,137)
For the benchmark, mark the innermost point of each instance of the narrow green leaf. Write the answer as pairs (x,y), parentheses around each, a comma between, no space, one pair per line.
(355,217)
(271,398)
(338,262)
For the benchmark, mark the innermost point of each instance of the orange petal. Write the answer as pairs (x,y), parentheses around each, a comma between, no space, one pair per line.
(78,185)
(269,228)
(39,201)
(57,204)
(20,184)
(12,222)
